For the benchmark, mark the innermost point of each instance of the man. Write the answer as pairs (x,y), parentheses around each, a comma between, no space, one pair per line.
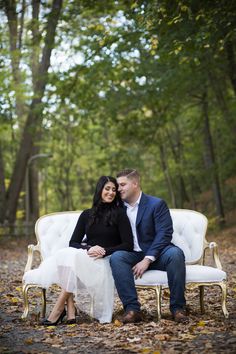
(152,231)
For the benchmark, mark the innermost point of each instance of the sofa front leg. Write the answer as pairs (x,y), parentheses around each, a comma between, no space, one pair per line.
(223,299)
(26,302)
(158,300)
(201,293)
(44,302)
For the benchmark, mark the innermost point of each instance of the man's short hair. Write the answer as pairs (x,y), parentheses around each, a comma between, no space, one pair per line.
(130,173)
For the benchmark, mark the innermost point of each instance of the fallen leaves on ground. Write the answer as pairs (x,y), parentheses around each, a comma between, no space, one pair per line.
(207,333)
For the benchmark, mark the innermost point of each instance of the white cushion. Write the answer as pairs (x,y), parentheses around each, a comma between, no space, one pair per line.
(152,277)
(199,273)
(194,273)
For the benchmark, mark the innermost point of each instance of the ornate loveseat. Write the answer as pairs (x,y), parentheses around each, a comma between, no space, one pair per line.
(53,232)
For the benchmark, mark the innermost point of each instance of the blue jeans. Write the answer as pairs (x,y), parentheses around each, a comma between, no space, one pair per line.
(171,260)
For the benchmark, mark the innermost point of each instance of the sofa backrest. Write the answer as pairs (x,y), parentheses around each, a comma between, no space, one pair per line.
(53,232)
(189,233)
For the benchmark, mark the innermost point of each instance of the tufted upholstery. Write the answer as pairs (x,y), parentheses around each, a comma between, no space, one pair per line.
(54,231)
(189,233)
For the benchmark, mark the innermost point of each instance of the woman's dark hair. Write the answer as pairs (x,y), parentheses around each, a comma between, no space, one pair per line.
(101,210)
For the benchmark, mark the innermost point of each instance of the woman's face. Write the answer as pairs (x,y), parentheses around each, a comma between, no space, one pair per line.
(108,192)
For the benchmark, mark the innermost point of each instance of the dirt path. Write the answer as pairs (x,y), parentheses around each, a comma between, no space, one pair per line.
(208,333)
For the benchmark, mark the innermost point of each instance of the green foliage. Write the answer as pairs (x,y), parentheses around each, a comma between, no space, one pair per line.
(128,93)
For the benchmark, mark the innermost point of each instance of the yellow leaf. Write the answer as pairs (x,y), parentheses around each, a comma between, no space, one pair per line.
(117,323)
(134,5)
(101,43)
(184,8)
(201,324)
(18,288)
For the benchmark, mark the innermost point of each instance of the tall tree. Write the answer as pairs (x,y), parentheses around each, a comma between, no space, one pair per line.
(32,125)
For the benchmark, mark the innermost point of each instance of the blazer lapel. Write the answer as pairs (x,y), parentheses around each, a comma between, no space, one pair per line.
(141,208)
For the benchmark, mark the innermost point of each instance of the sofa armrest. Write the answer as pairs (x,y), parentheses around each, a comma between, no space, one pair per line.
(215,254)
(31,250)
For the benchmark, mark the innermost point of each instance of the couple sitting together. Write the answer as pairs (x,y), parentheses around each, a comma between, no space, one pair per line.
(127,232)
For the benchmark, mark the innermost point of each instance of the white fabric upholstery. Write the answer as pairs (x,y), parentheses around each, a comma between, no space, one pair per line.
(194,273)
(189,232)
(54,231)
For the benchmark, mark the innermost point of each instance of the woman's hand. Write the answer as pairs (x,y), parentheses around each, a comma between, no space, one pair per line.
(96,251)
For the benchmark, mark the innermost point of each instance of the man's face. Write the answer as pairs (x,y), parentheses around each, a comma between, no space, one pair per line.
(127,188)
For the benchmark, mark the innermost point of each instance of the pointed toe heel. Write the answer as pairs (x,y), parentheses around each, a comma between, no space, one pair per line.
(46,322)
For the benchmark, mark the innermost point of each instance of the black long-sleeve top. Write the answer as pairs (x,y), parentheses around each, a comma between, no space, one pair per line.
(112,238)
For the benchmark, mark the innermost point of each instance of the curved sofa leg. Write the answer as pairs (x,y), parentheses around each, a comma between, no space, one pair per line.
(44,302)
(25,299)
(201,290)
(223,299)
(158,300)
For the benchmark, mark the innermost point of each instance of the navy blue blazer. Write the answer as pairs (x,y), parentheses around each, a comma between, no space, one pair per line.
(154,225)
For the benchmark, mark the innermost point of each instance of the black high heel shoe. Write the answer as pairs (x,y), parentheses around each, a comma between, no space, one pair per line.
(46,322)
(72,320)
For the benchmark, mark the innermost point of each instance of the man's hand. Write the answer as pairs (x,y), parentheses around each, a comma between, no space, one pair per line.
(96,252)
(141,267)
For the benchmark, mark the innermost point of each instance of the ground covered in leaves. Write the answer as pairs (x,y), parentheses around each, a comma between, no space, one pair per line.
(207,333)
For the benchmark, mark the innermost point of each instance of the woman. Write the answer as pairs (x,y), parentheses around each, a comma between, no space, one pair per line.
(86,266)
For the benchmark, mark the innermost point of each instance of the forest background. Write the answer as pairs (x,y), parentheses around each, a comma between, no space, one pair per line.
(91,87)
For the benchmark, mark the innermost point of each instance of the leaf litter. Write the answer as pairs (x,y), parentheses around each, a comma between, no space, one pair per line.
(205,333)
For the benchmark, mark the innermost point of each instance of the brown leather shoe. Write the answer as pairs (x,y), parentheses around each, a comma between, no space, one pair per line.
(180,316)
(132,317)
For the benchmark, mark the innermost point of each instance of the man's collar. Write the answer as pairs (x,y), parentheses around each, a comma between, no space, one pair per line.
(136,203)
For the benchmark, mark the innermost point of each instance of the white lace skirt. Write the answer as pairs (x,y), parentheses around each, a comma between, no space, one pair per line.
(90,280)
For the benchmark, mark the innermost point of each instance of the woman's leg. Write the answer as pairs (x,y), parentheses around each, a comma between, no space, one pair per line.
(71,309)
(59,306)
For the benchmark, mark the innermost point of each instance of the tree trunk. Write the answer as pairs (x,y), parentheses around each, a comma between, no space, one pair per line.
(167,175)
(15,53)
(2,189)
(36,37)
(177,154)
(34,189)
(231,63)
(34,118)
(210,161)
(227,115)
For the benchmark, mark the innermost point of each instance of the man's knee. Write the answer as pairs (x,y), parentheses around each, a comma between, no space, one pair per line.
(118,257)
(177,255)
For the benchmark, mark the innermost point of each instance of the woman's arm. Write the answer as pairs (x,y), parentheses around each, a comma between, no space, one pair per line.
(79,232)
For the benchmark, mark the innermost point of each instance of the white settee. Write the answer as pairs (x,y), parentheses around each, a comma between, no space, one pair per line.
(53,232)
